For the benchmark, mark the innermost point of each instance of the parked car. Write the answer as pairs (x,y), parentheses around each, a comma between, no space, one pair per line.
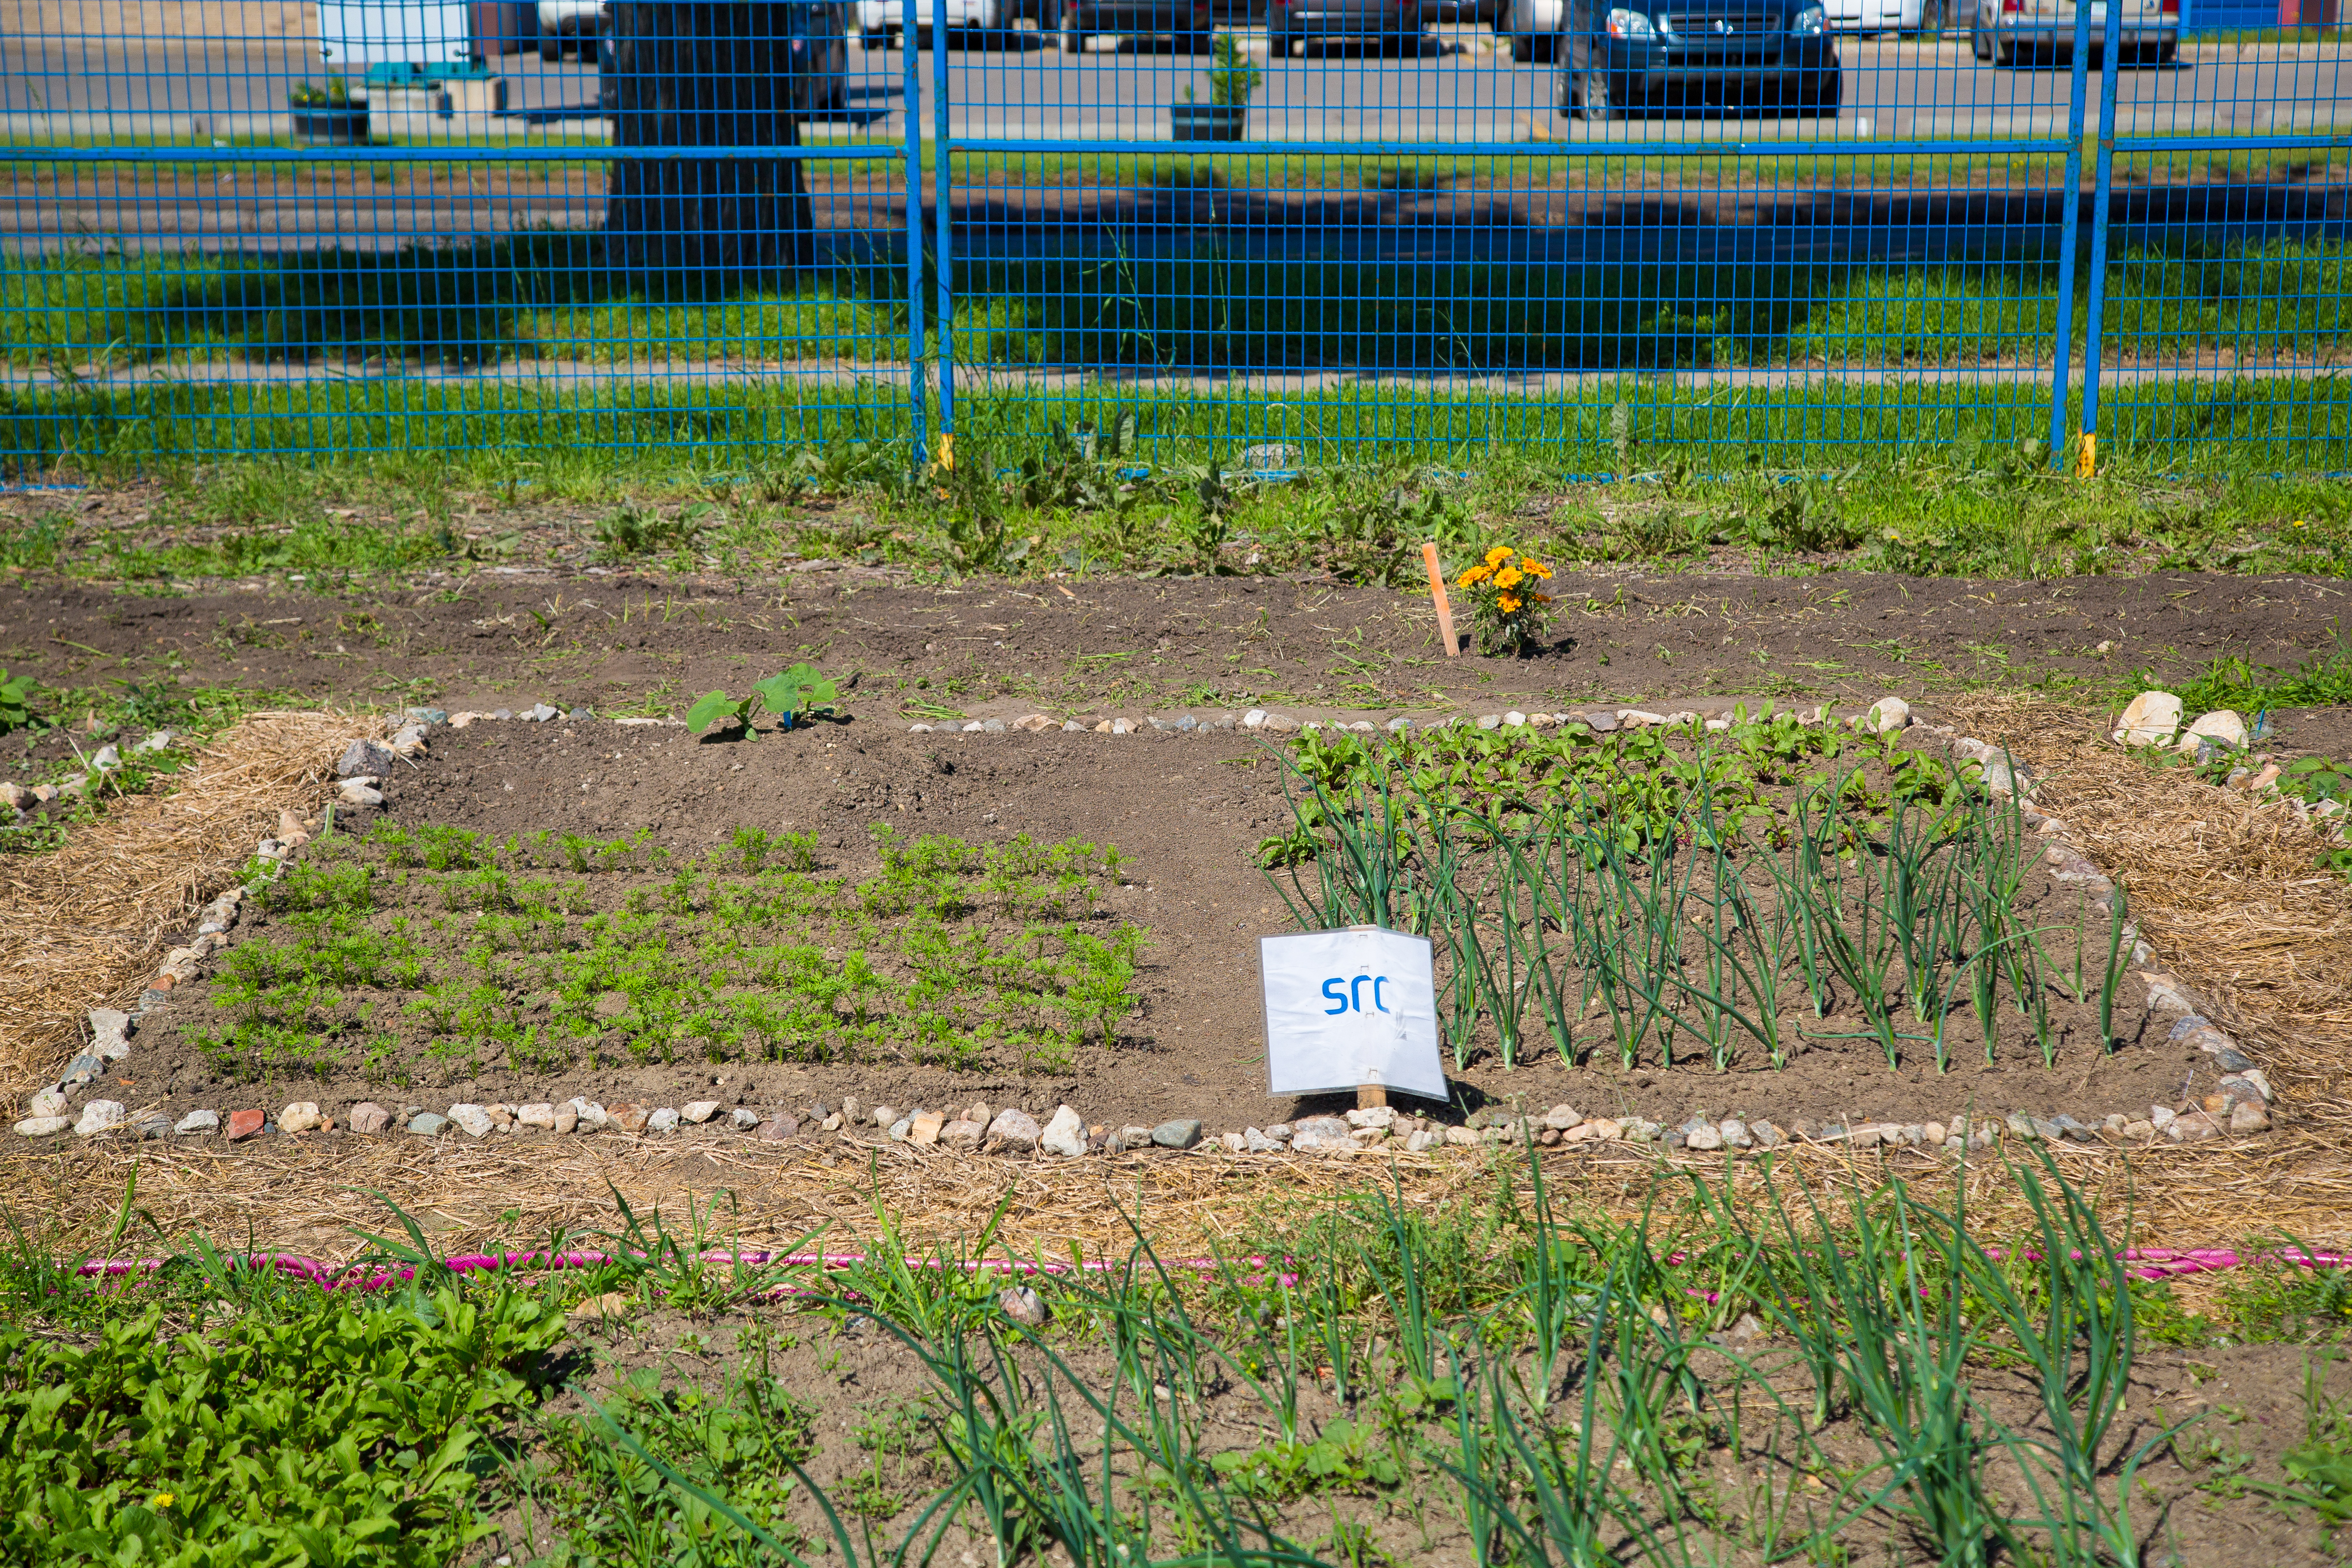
(576,25)
(819,35)
(1187,24)
(1533,28)
(2007,30)
(816,39)
(1871,17)
(1389,24)
(1738,53)
(884,22)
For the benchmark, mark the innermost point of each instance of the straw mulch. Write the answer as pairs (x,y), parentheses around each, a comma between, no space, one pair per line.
(87,925)
(2222,888)
(316,1196)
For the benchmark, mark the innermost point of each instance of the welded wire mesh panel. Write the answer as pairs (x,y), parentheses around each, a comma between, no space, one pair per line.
(1334,225)
(1745,224)
(2225,303)
(252,225)
(1793,232)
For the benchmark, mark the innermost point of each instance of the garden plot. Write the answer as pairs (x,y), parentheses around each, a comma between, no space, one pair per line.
(1680,897)
(1773,922)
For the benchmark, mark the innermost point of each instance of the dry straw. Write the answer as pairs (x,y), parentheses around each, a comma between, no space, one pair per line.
(2223,886)
(86,925)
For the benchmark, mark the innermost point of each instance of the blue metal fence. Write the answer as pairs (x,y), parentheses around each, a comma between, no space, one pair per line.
(1759,228)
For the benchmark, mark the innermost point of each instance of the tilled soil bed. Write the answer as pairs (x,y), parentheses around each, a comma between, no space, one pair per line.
(629,913)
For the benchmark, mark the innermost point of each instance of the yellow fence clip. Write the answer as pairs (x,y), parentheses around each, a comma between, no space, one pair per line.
(947,452)
(2087,457)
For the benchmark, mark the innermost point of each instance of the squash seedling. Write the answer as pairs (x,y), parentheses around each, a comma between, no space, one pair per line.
(802,692)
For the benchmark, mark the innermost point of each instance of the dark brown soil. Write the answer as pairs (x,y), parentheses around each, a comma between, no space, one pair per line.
(2308,732)
(2243,1406)
(1189,811)
(1120,646)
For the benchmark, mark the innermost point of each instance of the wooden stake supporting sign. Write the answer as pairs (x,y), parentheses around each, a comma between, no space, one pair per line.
(1437,597)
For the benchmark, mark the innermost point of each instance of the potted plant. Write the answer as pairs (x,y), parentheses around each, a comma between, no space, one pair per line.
(329,113)
(1230,81)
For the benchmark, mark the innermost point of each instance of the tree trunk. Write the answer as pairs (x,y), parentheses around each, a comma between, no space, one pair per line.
(704,74)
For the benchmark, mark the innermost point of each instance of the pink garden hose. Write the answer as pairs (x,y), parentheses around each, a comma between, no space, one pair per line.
(2156,1263)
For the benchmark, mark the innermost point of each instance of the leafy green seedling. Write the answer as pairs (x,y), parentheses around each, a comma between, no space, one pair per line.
(800,691)
(16,701)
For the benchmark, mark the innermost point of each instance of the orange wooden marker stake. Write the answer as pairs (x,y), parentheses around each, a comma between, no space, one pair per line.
(1437,592)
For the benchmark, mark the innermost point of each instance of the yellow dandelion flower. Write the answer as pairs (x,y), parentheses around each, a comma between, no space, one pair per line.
(1506,603)
(1509,577)
(162,1499)
(1534,568)
(1476,575)
(1496,557)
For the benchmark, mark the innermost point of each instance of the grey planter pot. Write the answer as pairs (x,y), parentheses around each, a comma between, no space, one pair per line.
(1206,121)
(336,125)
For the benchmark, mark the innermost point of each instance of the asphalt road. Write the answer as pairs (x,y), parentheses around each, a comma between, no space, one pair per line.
(1461,87)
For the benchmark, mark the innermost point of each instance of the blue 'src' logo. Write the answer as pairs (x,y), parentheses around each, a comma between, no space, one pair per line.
(1349,994)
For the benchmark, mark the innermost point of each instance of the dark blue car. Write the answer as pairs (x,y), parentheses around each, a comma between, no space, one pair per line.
(1621,56)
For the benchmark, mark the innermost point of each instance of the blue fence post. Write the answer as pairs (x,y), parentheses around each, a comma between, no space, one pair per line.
(942,217)
(2087,460)
(912,99)
(2069,232)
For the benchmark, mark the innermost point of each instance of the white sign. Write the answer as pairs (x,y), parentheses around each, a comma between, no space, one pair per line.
(1346,1008)
(395,32)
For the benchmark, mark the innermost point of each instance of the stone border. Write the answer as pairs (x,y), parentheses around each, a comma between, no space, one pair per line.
(2241,1104)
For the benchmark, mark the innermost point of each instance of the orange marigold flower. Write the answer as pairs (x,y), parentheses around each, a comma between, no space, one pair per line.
(1476,575)
(1496,557)
(1509,577)
(1534,568)
(1508,602)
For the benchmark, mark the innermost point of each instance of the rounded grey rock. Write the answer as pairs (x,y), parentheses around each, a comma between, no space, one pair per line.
(1015,1129)
(1023,1306)
(1181,1133)
(364,757)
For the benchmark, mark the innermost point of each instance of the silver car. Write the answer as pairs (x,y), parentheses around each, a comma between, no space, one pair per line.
(2006,31)
(1389,24)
